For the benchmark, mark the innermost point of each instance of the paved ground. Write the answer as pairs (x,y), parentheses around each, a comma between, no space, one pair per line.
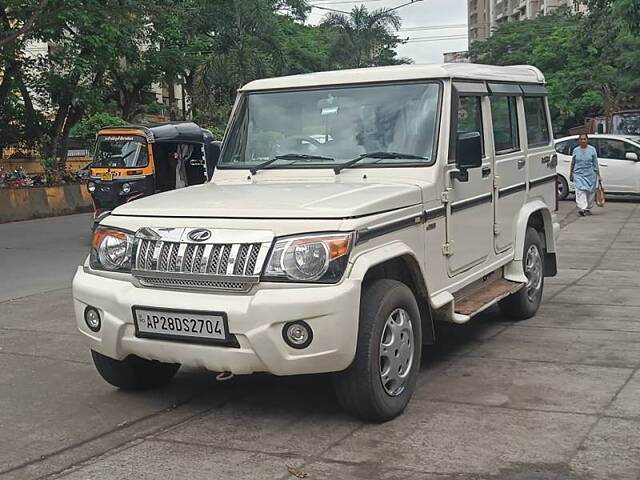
(556,397)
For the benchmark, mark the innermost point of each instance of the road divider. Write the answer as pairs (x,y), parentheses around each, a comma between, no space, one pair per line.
(37,202)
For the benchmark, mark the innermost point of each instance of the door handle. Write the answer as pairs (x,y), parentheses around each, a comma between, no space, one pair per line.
(521,162)
(486,171)
(603,164)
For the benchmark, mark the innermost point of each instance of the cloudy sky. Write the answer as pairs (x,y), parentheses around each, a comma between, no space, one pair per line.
(432,26)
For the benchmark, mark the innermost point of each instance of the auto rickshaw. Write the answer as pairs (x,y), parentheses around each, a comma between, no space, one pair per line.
(135,161)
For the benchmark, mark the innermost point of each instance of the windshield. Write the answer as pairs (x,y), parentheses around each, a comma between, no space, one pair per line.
(331,126)
(121,151)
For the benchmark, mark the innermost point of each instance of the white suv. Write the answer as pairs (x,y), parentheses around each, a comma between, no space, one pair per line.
(618,157)
(429,197)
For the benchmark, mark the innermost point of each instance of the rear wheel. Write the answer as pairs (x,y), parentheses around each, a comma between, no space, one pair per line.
(563,188)
(134,373)
(524,303)
(379,383)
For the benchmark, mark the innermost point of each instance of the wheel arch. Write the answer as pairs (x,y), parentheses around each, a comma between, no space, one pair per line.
(397,262)
(537,215)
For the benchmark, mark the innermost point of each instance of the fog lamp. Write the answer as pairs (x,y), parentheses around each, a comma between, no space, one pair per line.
(297,334)
(126,188)
(92,318)
(91,187)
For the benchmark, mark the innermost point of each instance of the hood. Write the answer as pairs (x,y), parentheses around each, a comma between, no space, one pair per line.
(276,200)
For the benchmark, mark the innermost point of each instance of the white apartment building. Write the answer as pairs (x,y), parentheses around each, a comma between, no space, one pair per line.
(485,15)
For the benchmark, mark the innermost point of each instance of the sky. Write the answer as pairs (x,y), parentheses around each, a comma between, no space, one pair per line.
(432,26)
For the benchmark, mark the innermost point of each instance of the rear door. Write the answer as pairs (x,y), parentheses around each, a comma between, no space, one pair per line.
(510,162)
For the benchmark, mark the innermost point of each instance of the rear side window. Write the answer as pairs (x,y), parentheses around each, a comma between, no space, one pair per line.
(470,116)
(562,147)
(505,124)
(536,118)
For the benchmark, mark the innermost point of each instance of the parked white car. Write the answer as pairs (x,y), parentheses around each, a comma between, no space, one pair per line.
(618,157)
(430,197)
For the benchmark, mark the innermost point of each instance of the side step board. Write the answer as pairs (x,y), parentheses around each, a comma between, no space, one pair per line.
(482,294)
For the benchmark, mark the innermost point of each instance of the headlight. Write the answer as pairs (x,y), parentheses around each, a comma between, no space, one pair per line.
(126,188)
(111,250)
(91,187)
(309,258)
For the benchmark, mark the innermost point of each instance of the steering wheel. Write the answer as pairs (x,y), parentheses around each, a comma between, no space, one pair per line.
(298,140)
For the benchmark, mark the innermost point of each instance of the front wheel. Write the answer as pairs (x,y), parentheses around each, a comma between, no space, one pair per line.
(134,373)
(379,383)
(524,303)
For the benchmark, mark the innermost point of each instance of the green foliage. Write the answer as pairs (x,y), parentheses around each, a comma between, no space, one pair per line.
(590,61)
(364,38)
(105,55)
(87,129)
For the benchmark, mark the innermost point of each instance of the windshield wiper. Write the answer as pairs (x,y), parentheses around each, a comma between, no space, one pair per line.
(380,155)
(287,156)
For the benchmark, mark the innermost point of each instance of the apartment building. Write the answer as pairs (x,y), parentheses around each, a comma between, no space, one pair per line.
(485,15)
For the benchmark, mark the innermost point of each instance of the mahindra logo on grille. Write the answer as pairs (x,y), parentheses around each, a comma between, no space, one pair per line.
(200,235)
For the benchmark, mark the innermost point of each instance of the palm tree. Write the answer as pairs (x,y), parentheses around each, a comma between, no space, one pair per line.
(366,33)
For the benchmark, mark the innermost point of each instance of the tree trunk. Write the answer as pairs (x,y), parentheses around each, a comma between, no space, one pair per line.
(172,100)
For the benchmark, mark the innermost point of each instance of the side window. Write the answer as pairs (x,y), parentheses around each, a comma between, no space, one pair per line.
(470,116)
(562,147)
(536,117)
(505,124)
(629,147)
(614,149)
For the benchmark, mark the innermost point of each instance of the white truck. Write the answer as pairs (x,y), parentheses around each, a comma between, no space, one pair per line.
(349,211)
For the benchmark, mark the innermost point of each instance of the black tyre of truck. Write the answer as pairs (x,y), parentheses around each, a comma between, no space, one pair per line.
(524,303)
(134,373)
(380,381)
(563,188)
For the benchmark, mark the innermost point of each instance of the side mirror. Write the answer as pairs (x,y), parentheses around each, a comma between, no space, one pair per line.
(468,153)
(631,156)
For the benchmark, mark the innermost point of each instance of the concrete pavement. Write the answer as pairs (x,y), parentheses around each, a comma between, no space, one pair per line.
(555,397)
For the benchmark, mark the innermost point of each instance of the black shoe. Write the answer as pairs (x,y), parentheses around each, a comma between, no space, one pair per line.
(581,213)
(588,212)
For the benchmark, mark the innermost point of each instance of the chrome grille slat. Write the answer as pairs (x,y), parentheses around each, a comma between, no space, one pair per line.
(253,258)
(164,256)
(173,261)
(224,260)
(238,268)
(187,261)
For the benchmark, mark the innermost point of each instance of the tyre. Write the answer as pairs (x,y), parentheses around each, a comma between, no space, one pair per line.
(524,303)
(134,373)
(563,188)
(379,383)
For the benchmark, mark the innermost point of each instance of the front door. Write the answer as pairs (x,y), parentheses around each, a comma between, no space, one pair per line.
(470,210)
(619,174)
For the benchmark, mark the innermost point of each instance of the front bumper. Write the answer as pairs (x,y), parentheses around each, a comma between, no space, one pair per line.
(255,319)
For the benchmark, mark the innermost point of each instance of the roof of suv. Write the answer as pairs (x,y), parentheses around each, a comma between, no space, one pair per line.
(632,137)
(465,71)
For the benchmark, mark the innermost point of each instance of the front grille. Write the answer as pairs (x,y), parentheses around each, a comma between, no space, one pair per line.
(166,258)
(194,284)
(159,256)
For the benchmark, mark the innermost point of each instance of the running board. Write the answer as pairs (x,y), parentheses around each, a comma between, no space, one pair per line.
(480,295)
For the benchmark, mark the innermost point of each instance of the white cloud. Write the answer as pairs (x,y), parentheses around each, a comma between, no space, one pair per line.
(451,15)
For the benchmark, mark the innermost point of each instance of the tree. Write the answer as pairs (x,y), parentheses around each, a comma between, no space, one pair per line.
(366,38)
(589,61)
(87,129)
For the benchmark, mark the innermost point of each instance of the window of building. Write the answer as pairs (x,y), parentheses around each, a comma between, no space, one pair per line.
(505,124)
(536,118)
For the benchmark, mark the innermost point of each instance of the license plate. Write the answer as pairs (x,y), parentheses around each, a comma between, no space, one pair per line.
(181,325)
(107,177)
